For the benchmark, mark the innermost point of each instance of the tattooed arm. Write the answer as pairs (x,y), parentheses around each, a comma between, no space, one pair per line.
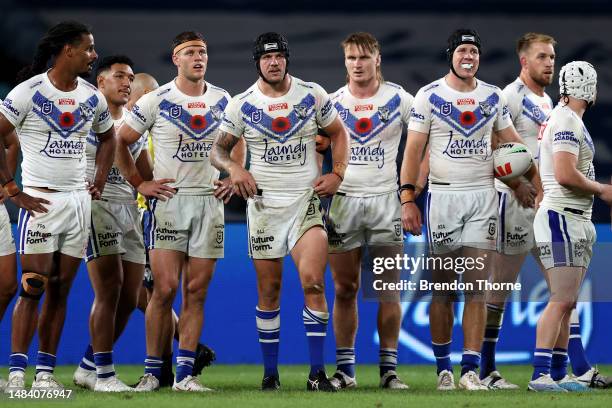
(242,180)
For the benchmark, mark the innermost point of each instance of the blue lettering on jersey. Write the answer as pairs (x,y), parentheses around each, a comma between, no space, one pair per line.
(197,127)
(279,128)
(469,122)
(64,123)
(364,129)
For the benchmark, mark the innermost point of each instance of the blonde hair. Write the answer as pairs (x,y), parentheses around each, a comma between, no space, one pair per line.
(367,42)
(523,43)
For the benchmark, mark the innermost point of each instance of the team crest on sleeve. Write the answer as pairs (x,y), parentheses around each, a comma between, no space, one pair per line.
(217,112)
(485,108)
(256,115)
(384,112)
(446,108)
(86,110)
(175,111)
(301,110)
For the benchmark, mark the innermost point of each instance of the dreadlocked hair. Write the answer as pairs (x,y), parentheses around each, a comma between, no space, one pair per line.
(66,32)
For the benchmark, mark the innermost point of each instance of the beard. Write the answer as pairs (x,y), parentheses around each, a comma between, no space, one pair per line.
(542,80)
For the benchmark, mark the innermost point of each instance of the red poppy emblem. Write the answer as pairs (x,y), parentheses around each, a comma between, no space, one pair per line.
(363,125)
(66,119)
(198,122)
(281,124)
(467,118)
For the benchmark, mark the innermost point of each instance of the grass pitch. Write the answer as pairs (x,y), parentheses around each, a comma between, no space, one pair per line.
(238,386)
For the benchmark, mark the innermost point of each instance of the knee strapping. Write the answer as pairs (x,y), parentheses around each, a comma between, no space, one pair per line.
(33,285)
(314,288)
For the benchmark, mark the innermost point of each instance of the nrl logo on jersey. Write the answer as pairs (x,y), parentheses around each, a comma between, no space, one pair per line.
(175,111)
(47,107)
(217,112)
(86,110)
(256,115)
(301,110)
(446,108)
(485,108)
(344,114)
(383,113)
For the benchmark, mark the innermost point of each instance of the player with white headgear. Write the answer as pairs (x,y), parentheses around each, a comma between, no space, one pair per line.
(563,229)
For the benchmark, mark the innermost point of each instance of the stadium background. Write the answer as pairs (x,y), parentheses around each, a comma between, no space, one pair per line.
(413,38)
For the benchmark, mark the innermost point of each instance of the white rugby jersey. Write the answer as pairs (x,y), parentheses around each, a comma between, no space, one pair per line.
(280,133)
(528,112)
(375,128)
(117,188)
(52,126)
(564,131)
(183,129)
(459,125)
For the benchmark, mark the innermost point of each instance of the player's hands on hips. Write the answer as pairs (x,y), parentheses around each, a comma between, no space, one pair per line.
(411,218)
(30,204)
(243,182)
(224,189)
(157,189)
(526,194)
(327,184)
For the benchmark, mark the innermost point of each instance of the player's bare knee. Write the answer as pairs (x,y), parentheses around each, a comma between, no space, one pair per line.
(196,291)
(163,294)
(33,285)
(314,287)
(346,291)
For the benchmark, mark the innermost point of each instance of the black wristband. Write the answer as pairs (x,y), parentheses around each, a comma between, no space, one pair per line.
(408,201)
(407,187)
(8,181)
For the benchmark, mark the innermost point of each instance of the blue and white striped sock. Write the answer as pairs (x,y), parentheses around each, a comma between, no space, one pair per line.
(45,362)
(345,360)
(575,349)
(184,364)
(268,329)
(104,364)
(442,354)
(315,324)
(542,359)
(87,362)
(387,360)
(18,362)
(153,365)
(470,360)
